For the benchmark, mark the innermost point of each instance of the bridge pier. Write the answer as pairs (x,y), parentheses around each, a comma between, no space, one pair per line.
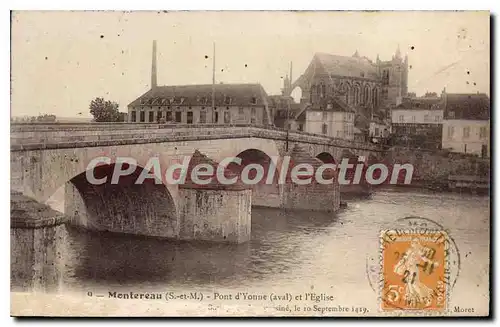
(37,245)
(213,211)
(311,196)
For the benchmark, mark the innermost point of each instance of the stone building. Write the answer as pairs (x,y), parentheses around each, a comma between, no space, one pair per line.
(357,81)
(340,92)
(334,119)
(192,104)
(286,112)
(379,129)
(200,104)
(466,123)
(418,122)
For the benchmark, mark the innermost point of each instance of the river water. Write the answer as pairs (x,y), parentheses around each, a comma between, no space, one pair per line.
(290,251)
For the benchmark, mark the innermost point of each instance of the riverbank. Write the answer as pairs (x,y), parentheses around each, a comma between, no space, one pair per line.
(433,189)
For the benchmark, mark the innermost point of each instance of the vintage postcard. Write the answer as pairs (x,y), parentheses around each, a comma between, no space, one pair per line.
(250,164)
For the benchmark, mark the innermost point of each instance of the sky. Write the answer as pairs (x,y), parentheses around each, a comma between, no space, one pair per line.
(60,61)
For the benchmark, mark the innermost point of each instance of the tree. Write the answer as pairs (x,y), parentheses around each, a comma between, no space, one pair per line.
(46,118)
(105,110)
(41,118)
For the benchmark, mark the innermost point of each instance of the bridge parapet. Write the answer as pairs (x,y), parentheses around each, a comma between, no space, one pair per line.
(46,136)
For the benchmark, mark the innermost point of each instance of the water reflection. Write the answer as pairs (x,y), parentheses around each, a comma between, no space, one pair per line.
(289,247)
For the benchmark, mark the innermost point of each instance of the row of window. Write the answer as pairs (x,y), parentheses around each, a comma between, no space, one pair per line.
(169,116)
(427,118)
(354,95)
(347,132)
(483,132)
(348,116)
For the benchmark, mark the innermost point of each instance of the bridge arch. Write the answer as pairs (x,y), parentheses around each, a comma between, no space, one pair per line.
(326,157)
(263,193)
(122,205)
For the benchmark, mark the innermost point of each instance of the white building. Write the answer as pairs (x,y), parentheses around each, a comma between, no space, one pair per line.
(417,122)
(467,136)
(335,120)
(416,116)
(379,128)
(466,124)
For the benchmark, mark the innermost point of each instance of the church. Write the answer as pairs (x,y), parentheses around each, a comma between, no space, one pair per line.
(343,94)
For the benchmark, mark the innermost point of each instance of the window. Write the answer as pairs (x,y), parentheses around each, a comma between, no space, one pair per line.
(451,131)
(301,127)
(203,100)
(151,116)
(325,129)
(451,114)
(376,131)
(482,132)
(413,119)
(325,115)
(227,117)
(401,118)
(169,116)
(426,118)
(338,133)
(241,111)
(227,100)
(133,116)
(159,116)
(189,117)
(437,119)
(203,117)
(178,116)
(216,117)
(142,116)
(253,100)
(466,132)
(385,94)
(253,117)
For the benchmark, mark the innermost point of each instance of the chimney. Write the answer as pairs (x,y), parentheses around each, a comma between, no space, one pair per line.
(291,77)
(154,81)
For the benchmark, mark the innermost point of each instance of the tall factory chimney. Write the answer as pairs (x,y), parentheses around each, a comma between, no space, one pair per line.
(154,79)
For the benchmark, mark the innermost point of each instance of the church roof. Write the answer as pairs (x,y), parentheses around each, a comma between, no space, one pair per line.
(354,66)
(201,94)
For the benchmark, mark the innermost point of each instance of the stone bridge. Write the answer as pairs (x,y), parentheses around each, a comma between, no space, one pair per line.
(47,158)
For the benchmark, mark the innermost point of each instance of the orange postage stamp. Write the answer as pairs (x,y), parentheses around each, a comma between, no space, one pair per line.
(414,268)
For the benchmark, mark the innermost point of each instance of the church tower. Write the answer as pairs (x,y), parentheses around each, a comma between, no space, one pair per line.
(287,83)
(394,76)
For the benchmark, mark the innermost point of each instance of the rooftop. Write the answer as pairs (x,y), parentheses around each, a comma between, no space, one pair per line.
(352,66)
(467,105)
(422,103)
(201,94)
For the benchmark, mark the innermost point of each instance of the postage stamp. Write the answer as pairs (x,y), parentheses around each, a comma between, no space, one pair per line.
(413,270)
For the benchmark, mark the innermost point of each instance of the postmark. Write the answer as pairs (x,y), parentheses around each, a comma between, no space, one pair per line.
(416,267)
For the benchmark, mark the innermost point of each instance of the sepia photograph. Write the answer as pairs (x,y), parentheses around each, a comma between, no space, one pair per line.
(250,164)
